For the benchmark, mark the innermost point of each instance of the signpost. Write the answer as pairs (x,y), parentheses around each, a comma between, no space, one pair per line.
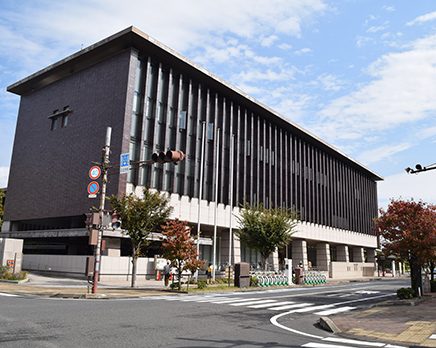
(124,163)
(94,173)
(93,188)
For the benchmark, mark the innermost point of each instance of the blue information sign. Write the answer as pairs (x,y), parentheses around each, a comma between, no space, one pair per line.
(124,163)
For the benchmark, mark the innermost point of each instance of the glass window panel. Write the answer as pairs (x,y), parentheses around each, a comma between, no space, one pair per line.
(54,123)
(64,120)
(210,131)
(182,120)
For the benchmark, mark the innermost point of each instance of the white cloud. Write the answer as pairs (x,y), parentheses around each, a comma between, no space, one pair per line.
(4,174)
(401,92)
(305,50)
(375,29)
(268,41)
(330,82)
(285,46)
(362,41)
(257,75)
(382,152)
(407,186)
(424,18)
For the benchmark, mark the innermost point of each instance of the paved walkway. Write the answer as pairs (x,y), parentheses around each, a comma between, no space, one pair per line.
(406,325)
(413,324)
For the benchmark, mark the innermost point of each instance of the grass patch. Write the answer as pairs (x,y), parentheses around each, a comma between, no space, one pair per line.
(7,274)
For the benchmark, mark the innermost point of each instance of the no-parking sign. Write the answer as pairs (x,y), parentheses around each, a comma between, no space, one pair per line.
(93,188)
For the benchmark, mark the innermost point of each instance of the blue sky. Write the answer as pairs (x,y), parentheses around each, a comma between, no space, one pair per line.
(359,74)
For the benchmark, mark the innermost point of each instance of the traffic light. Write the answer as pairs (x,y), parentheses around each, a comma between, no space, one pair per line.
(169,156)
(116,222)
(91,220)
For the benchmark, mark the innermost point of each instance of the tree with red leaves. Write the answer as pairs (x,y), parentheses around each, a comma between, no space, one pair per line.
(408,231)
(180,249)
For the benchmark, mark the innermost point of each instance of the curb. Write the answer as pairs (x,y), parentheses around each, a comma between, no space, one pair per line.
(327,324)
(398,302)
(14,281)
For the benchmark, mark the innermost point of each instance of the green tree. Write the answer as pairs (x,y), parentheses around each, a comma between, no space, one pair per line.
(408,231)
(139,217)
(265,230)
(180,249)
(2,208)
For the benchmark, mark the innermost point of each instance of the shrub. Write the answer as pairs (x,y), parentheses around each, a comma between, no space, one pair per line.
(222,280)
(6,273)
(201,284)
(254,281)
(405,293)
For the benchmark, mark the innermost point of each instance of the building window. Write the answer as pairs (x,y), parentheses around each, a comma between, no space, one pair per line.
(210,131)
(64,121)
(59,118)
(182,120)
(54,123)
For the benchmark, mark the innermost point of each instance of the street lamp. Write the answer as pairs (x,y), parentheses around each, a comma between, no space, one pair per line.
(419,168)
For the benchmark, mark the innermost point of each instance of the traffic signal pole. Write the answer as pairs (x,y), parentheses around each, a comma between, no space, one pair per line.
(163,157)
(105,166)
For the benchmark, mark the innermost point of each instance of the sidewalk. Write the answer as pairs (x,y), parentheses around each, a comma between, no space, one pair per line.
(39,285)
(412,325)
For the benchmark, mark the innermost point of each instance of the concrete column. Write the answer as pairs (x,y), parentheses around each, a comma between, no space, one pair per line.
(342,253)
(323,256)
(299,252)
(393,268)
(273,260)
(370,255)
(224,246)
(400,269)
(358,254)
(236,248)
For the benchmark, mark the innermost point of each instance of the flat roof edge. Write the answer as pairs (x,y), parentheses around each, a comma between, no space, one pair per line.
(15,87)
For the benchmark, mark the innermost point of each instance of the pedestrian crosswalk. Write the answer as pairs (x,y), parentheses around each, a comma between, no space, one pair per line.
(259,303)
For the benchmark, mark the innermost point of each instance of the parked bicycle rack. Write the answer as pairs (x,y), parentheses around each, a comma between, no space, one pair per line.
(271,278)
(314,277)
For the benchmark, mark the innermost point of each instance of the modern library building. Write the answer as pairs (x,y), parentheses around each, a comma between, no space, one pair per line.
(237,150)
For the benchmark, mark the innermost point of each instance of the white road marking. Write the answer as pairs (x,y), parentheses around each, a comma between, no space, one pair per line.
(5,294)
(281,308)
(324,345)
(264,305)
(252,302)
(309,309)
(335,310)
(233,300)
(367,292)
(348,341)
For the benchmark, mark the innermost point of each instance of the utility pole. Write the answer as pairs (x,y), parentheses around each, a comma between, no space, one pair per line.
(105,166)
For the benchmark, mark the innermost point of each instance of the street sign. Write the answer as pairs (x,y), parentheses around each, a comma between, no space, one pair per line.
(124,163)
(93,187)
(94,172)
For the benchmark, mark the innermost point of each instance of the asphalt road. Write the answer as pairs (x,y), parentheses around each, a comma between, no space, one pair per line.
(276,318)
